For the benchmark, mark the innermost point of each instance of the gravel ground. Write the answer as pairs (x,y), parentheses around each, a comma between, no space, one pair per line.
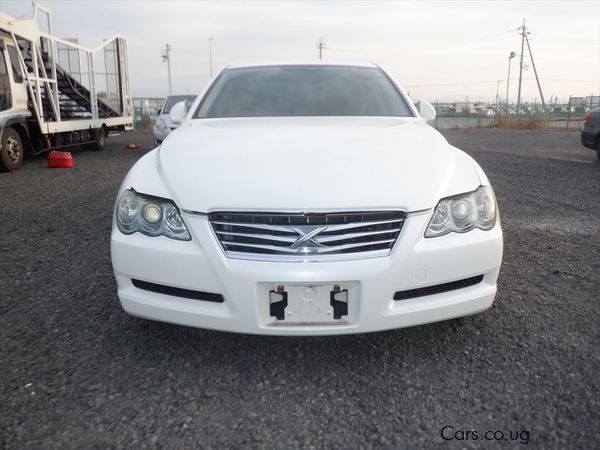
(77,372)
(564,145)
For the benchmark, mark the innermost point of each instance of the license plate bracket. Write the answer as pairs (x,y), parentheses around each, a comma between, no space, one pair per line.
(308,304)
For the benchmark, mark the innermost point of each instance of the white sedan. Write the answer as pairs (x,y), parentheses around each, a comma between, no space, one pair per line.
(305,199)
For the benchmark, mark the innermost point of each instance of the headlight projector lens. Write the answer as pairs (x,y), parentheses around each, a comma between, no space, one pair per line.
(152,213)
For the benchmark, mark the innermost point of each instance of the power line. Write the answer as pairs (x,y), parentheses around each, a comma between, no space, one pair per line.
(569,81)
(479,39)
(465,83)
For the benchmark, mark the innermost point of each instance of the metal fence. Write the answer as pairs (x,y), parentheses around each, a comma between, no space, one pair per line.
(144,111)
(464,123)
(456,115)
(554,116)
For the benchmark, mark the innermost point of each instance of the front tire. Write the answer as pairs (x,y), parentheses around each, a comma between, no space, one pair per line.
(11,151)
(598,149)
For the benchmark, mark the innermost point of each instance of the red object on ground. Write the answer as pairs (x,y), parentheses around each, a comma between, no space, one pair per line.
(132,146)
(60,159)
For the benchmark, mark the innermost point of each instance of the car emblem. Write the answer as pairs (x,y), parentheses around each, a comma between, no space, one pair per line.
(306,242)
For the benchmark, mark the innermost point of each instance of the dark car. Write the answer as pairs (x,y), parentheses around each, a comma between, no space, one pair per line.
(590,135)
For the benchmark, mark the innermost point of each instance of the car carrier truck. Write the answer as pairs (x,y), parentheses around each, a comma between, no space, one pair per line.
(55,93)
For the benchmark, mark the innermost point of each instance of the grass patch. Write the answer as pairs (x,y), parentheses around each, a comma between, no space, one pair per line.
(522,123)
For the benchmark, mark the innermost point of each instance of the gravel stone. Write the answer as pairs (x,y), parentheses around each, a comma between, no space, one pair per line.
(77,372)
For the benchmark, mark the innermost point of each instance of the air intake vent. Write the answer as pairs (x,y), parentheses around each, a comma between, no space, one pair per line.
(307,236)
(178,292)
(438,288)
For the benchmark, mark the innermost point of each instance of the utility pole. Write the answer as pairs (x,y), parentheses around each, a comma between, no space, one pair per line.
(166,57)
(321,46)
(510,57)
(497,90)
(523,29)
(535,72)
(210,55)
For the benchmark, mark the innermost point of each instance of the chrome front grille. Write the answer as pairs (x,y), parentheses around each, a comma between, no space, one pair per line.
(307,236)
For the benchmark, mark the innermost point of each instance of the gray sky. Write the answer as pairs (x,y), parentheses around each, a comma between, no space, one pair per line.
(439,50)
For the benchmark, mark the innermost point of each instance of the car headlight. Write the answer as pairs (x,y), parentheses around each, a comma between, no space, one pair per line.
(464,212)
(160,123)
(152,216)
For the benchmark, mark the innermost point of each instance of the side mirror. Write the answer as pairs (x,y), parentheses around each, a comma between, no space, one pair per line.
(158,111)
(426,110)
(178,113)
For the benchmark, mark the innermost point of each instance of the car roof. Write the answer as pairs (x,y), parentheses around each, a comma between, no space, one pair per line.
(306,62)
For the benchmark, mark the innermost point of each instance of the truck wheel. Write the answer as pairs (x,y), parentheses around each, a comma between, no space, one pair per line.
(598,149)
(100,137)
(11,152)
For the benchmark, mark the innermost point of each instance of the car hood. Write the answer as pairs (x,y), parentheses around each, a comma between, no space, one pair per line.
(309,164)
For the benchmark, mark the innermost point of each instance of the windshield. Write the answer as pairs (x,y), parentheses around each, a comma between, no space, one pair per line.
(172,100)
(309,90)
(5,94)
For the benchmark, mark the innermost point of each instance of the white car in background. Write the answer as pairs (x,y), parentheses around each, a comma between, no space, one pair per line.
(305,198)
(163,124)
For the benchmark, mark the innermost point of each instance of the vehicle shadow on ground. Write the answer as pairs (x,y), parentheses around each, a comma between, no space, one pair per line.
(193,343)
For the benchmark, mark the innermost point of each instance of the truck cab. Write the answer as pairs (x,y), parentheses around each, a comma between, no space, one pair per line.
(14,112)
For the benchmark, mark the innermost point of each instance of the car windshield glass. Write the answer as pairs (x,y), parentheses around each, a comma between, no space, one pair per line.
(174,99)
(311,90)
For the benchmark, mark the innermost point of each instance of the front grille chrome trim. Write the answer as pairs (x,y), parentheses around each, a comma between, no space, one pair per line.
(286,229)
(318,251)
(318,236)
(307,258)
(253,225)
(268,237)
(325,239)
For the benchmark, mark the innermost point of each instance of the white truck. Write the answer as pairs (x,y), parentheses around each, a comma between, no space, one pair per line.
(54,93)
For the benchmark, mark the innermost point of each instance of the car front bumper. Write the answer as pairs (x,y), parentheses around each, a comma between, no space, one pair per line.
(160,134)
(201,265)
(588,138)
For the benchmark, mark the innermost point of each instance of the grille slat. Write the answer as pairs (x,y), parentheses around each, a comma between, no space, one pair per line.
(259,247)
(322,240)
(254,225)
(307,236)
(272,237)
